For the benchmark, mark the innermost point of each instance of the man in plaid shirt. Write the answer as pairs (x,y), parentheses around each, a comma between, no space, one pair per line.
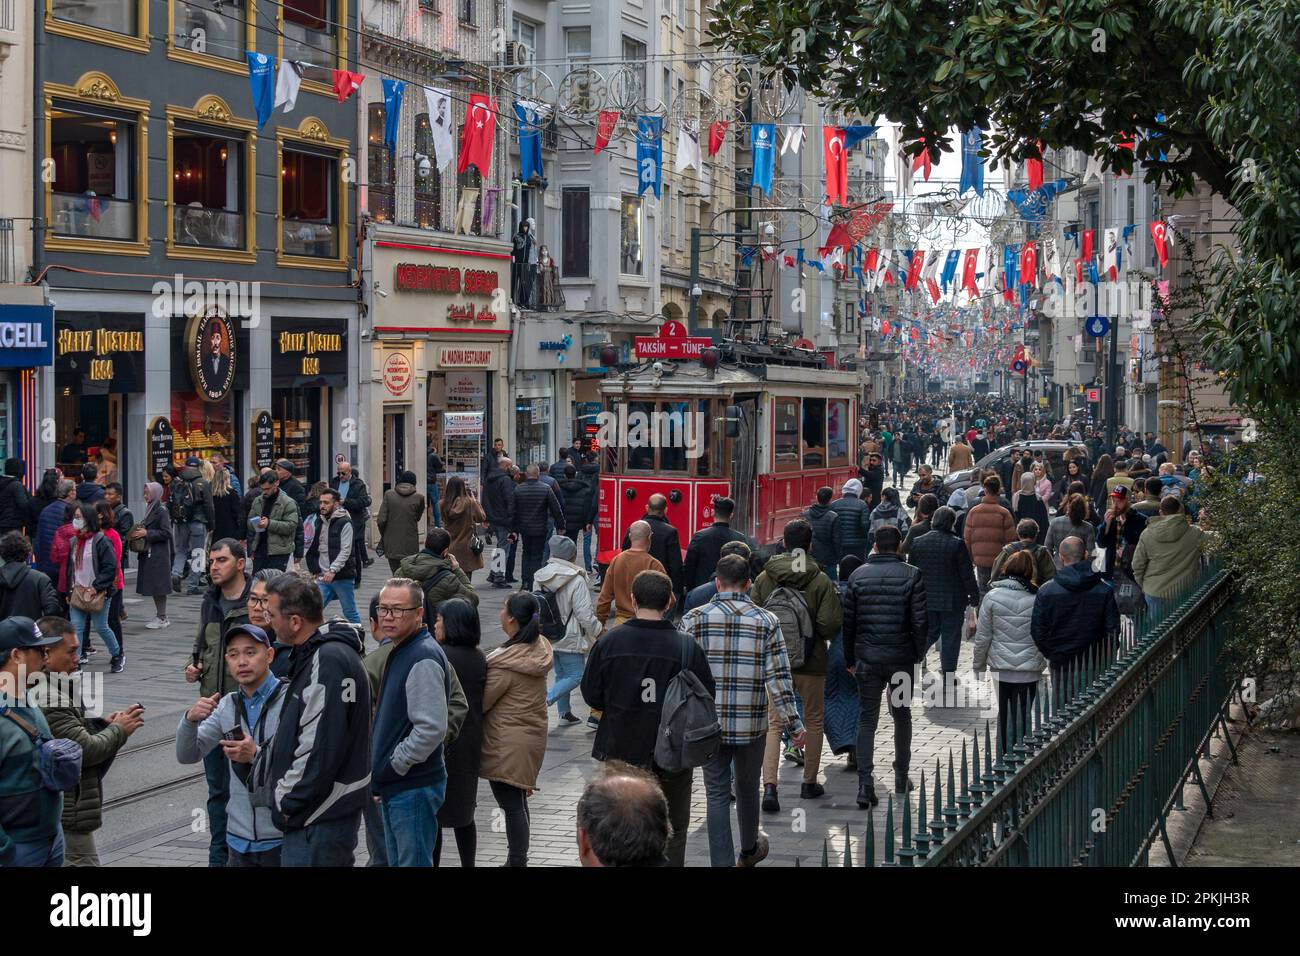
(747,655)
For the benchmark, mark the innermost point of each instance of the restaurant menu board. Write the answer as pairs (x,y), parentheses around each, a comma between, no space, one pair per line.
(161,445)
(263,440)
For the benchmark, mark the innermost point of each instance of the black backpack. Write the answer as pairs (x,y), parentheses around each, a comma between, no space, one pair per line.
(180,499)
(554,625)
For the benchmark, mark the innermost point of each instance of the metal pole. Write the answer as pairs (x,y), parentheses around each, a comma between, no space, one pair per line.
(1112,388)
(693,317)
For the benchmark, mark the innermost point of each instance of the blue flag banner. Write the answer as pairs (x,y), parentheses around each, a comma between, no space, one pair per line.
(649,153)
(261,79)
(816,264)
(798,256)
(530,140)
(856,134)
(393,91)
(1093,277)
(762,143)
(972,164)
(1010,267)
(747,255)
(949,268)
(857,272)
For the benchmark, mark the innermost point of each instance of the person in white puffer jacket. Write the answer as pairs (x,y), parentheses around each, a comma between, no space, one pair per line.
(568,581)
(1004,643)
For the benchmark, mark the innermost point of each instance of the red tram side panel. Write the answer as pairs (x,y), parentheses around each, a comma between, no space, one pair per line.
(692,511)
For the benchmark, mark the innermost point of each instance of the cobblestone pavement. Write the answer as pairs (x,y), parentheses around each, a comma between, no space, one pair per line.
(154,806)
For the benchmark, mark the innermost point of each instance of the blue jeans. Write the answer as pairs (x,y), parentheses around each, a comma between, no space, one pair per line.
(568,675)
(586,550)
(832,572)
(432,489)
(748,759)
(411,824)
(346,591)
(189,537)
(39,852)
(945,626)
(331,843)
(217,769)
(376,845)
(100,621)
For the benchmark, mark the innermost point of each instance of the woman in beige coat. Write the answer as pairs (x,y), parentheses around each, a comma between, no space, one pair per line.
(514,718)
(461,514)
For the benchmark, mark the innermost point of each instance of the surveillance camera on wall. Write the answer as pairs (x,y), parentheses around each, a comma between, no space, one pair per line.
(658,368)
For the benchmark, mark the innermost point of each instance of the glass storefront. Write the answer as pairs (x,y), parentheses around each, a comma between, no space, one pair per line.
(295,418)
(308,360)
(203,428)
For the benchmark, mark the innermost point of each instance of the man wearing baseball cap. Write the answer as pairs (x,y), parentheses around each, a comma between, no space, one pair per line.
(1120,531)
(31,833)
(242,723)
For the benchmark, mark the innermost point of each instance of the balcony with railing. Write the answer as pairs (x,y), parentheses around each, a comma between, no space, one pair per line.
(93,217)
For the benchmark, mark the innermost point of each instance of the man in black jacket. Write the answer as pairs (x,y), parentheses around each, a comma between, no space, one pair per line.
(706,546)
(499,506)
(356,502)
(664,543)
(320,760)
(1073,613)
(123,520)
(886,627)
(534,502)
(927,484)
(14,500)
(950,585)
(873,480)
(854,520)
(578,500)
(290,485)
(644,648)
(24,591)
(826,545)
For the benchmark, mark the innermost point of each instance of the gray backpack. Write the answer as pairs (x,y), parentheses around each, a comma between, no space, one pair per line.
(689,733)
(791,611)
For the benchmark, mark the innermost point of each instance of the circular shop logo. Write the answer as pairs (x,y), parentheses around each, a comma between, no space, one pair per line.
(210,342)
(397,373)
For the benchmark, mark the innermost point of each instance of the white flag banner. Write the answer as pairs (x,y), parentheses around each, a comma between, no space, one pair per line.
(1051,257)
(442,119)
(792,141)
(287,80)
(688,148)
(1093,169)
(1110,260)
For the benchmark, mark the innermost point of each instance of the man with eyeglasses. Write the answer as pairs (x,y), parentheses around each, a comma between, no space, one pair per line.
(408,773)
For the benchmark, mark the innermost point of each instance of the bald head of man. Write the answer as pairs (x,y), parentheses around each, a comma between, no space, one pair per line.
(638,535)
(657,505)
(623,819)
(532,471)
(1072,549)
(505,464)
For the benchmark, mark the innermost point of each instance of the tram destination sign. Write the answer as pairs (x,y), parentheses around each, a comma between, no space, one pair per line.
(672,342)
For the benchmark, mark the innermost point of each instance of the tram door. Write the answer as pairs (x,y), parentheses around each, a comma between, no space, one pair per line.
(744,464)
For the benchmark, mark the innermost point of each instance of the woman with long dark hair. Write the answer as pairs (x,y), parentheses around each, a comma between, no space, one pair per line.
(1104,471)
(1072,522)
(514,718)
(457,630)
(154,566)
(47,492)
(461,514)
(92,571)
(106,520)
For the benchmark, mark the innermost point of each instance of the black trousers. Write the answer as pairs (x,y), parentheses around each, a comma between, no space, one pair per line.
(873,680)
(258,858)
(514,802)
(1018,699)
(278,561)
(533,560)
(676,786)
(466,844)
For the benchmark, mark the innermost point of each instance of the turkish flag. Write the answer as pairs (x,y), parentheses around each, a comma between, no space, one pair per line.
(914,269)
(839,238)
(1160,240)
(346,83)
(922,160)
(717,133)
(870,261)
(1078,271)
(606,120)
(837,165)
(1029,264)
(477,134)
(933,286)
(1087,245)
(968,283)
(1034,173)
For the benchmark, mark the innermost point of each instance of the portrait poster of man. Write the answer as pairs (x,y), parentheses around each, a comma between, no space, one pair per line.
(212,345)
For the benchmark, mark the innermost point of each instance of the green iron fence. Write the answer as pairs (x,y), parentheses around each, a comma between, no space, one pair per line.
(1088,774)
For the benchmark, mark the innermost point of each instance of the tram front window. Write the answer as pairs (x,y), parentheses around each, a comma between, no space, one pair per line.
(814,432)
(640,436)
(785,447)
(675,431)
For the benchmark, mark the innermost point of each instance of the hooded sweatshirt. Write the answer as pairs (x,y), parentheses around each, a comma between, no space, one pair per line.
(819,593)
(1073,611)
(569,583)
(1168,553)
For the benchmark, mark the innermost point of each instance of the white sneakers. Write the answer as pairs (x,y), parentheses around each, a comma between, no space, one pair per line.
(158,623)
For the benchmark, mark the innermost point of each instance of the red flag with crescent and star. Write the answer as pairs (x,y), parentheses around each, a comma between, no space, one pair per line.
(477,135)
(837,165)
(914,269)
(1087,246)
(922,160)
(1159,238)
(968,283)
(717,133)
(1029,263)
(606,120)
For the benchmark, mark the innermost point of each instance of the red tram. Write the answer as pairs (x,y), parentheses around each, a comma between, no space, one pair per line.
(767,427)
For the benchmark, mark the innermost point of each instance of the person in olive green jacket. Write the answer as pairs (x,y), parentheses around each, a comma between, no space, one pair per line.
(99,738)
(439,575)
(399,520)
(273,523)
(795,569)
(1168,554)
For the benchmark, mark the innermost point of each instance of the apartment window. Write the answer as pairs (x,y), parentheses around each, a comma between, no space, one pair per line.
(1131,203)
(681,12)
(577,46)
(309,32)
(469,209)
(112,16)
(1094,215)
(428,184)
(668,89)
(214,29)
(680,231)
(630,236)
(525,33)
(575,229)
(666,228)
(380,175)
(95,173)
(208,188)
(634,56)
(467,11)
(309,203)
